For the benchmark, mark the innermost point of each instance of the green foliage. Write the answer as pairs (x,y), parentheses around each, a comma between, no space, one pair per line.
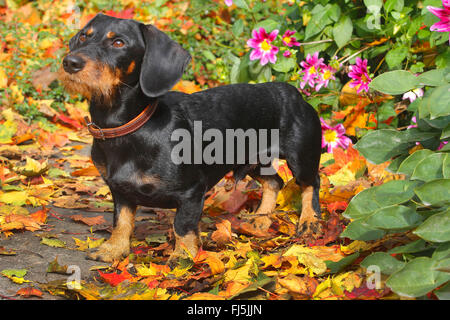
(419,203)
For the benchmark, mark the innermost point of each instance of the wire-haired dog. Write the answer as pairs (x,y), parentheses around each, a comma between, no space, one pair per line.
(126,69)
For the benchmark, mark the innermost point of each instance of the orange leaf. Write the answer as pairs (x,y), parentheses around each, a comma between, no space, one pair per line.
(89,171)
(40,216)
(28,292)
(223,233)
(90,221)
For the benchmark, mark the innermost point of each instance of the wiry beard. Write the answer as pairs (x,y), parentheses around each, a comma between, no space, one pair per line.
(94,81)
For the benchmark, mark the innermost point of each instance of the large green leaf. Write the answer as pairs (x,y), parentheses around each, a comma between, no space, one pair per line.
(442,251)
(438,102)
(409,164)
(394,82)
(444,292)
(446,167)
(429,168)
(386,263)
(417,277)
(412,247)
(436,228)
(369,200)
(342,31)
(436,192)
(393,218)
(381,145)
(435,77)
(356,230)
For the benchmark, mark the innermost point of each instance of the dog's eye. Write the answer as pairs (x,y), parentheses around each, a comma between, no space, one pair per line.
(118,43)
(83,38)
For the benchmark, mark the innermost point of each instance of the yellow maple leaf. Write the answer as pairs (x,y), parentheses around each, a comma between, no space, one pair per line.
(3,79)
(289,198)
(342,177)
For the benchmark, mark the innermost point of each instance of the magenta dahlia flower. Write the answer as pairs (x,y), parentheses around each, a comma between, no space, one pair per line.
(311,70)
(229,2)
(333,137)
(289,40)
(326,74)
(359,74)
(444,14)
(261,43)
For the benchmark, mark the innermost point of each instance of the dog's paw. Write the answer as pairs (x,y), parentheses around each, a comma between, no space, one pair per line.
(309,230)
(108,252)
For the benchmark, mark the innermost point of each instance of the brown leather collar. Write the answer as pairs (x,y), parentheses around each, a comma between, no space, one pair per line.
(129,127)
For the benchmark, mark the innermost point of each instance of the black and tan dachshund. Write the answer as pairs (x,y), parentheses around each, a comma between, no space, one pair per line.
(124,67)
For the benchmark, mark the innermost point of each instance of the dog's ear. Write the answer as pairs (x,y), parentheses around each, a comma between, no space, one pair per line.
(163,63)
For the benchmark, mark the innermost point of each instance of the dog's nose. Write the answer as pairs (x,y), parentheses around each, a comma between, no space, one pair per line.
(73,63)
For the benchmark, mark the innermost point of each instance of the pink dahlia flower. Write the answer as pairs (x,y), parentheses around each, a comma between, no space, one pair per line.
(261,43)
(359,74)
(311,68)
(444,14)
(333,137)
(289,40)
(229,2)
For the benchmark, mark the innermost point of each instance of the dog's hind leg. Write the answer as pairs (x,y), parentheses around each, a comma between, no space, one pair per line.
(271,185)
(118,245)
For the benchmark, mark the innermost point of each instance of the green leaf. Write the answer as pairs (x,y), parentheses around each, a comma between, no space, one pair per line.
(438,102)
(356,230)
(342,31)
(396,5)
(443,293)
(238,27)
(446,132)
(269,25)
(370,200)
(381,145)
(429,168)
(417,278)
(409,164)
(51,242)
(393,218)
(241,4)
(435,77)
(395,57)
(284,64)
(337,266)
(442,252)
(374,5)
(209,55)
(436,228)
(436,192)
(386,263)
(20,273)
(319,20)
(412,247)
(394,82)
(446,167)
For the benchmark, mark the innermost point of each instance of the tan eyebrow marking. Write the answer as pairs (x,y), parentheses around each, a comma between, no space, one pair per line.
(90,31)
(110,34)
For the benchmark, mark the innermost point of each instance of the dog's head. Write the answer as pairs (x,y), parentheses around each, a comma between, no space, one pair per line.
(110,52)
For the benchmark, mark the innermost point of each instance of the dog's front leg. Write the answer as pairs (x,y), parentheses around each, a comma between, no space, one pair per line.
(118,245)
(186,229)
